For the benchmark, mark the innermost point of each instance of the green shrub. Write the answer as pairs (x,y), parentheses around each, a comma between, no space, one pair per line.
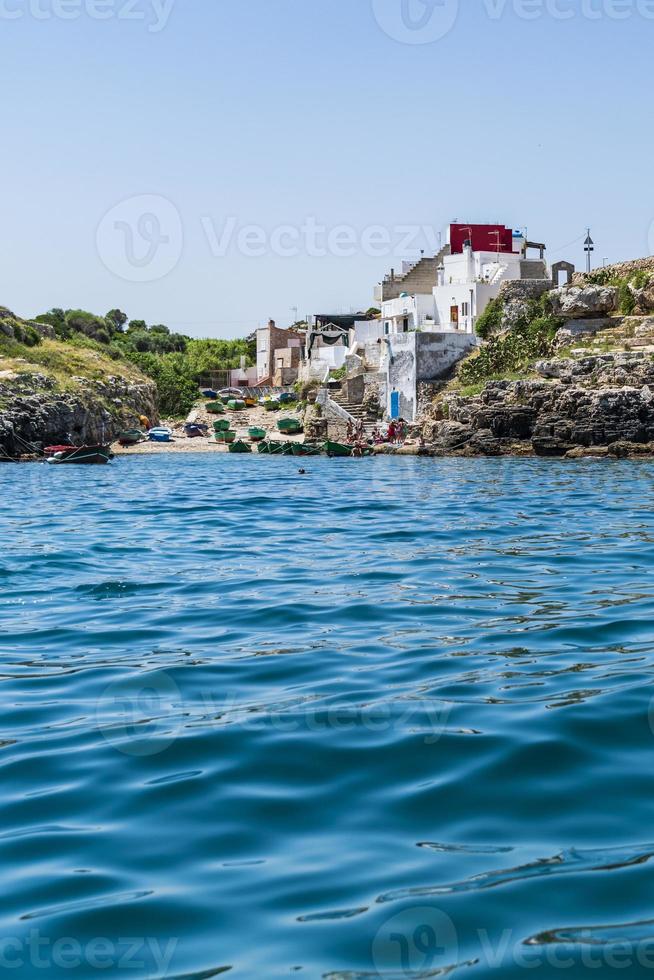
(640,279)
(490,320)
(513,353)
(626,299)
(177,389)
(27,334)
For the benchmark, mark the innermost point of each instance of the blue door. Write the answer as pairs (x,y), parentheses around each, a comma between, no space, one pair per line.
(395,404)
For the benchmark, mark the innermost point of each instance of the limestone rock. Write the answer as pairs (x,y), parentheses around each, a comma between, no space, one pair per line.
(34,414)
(644,299)
(577,302)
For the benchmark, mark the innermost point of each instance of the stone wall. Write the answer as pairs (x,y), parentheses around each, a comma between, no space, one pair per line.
(418,357)
(620,270)
(520,290)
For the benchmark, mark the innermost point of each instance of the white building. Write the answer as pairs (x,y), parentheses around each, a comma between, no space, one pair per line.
(466,280)
(462,279)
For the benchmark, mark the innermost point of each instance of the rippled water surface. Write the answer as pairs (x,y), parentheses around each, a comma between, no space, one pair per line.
(392,718)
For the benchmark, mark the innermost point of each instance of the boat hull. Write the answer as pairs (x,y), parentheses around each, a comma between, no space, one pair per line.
(290,427)
(82,456)
(304,449)
(338,449)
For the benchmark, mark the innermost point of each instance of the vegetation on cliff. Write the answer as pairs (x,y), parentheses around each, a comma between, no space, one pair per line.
(69,343)
(630,286)
(512,351)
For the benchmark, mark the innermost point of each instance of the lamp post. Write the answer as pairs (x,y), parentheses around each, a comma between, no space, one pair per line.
(589,248)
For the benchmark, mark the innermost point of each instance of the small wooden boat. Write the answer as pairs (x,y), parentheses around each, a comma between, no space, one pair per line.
(226,436)
(80,455)
(257,435)
(209,393)
(215,408)
(250,402)
(53,450)
(160,434)
(280,448)
(131,437)
(240,447)
(306,449)
(236,405)
(271,406)
(195,430)
(289,426)
(264,448)
(287,398)
(338,449)
(221,425)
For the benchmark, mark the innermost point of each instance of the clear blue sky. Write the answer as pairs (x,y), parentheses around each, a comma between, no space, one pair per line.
(270,112)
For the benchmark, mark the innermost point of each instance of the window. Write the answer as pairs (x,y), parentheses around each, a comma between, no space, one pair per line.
(405,324)
(387,328)
(465,309)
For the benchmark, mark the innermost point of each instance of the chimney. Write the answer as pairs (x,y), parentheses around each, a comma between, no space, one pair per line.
(271,324)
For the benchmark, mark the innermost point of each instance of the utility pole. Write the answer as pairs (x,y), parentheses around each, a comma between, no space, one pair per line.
(589,248)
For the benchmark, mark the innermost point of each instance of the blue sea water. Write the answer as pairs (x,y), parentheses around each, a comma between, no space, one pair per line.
(389,719)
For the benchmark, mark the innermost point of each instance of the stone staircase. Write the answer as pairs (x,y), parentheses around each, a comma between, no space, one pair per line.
(358,412)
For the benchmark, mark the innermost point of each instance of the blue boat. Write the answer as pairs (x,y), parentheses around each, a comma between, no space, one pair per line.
(160,435)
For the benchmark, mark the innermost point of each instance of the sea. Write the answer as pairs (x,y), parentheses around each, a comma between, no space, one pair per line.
(387,718)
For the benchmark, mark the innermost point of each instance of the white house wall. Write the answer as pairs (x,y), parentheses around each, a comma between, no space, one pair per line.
(414,357)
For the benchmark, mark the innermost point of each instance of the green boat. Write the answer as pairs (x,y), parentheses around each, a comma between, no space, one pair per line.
(289,426)
(131,437)
(337,449)
(225,436)
(236,405)
(257,435)
(215,408)
(263,447)
(281,448)
(306,449)
(221,425)
(287,398)
(240,447)
(271,406)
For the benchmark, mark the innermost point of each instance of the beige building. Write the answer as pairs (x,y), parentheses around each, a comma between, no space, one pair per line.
(279,353)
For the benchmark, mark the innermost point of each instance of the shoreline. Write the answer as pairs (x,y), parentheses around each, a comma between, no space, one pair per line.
(202,447)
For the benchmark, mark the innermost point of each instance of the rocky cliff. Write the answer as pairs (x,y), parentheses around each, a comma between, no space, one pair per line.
(53,392)
(592,393)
